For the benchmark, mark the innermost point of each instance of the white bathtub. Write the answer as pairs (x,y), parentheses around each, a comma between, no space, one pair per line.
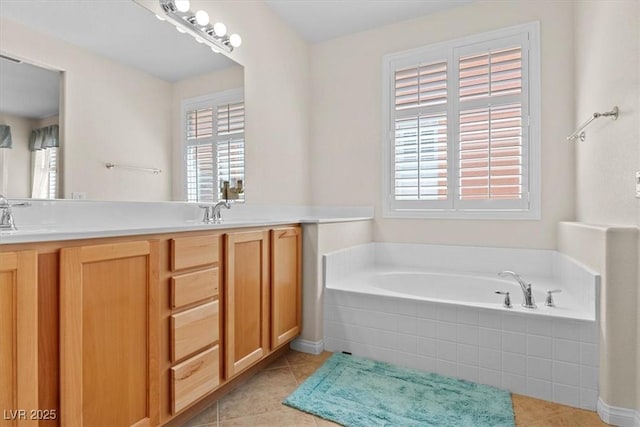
(434,308)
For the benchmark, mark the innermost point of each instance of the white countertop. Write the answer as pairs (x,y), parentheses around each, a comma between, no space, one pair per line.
(70,220)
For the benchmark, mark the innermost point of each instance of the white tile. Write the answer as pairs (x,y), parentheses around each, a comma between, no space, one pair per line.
(539,368)
(468,334)
(566,373)
(408,325)
(589,377)
(467,316)
(426,328)
(404,306)
(489,359)
(447,313)
(469,373)
(514,323)
(413,361)
(539,389)
(406,343)
(588,399)
(539,326)
(446,331)
(514,363)
(514,383)
(336,345)
(566,395)
(539,346)
(446,350)
(490,377)
(446,368)
(566,329)
(514,342)
(589,354)
(426,347)
(490,338)
(589,332)
(468,354)
(490,319)
(566,351)
(427,310)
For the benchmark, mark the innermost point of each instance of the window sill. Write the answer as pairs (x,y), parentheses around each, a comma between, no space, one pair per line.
(508,215)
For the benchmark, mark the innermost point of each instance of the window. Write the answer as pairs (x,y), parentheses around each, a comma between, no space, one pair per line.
(214,145)
(44,178)
(462,129)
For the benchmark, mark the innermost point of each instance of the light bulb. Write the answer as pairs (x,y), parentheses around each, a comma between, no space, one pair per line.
(199,40)
(181,30)
(202,18)
(160,17)
(214,49)
(235,40)
(220,29)
(183,5)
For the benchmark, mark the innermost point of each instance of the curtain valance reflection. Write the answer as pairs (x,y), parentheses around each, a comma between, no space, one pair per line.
(5,136)
(43,138)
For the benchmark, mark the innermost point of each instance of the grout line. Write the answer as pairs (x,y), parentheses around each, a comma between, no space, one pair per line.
(218,413)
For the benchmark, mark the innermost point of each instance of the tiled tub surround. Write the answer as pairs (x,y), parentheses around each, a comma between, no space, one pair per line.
(548,353)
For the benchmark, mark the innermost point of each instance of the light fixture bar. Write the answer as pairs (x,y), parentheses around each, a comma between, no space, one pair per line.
(192,22)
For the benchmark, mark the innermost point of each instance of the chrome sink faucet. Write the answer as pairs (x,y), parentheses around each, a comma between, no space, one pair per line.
(6,216)
(528,302)
(212,214)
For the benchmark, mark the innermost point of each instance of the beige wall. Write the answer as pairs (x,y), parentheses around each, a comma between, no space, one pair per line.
(206,84)
(347,120)
(17,159)
(111,113)
(607,73)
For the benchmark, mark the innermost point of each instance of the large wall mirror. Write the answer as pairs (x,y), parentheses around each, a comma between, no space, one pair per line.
(101,100)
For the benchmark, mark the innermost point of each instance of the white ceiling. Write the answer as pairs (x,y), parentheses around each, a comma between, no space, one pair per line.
(320,20)
(28,91)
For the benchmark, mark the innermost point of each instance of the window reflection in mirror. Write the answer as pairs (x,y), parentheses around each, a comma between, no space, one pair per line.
(29,130)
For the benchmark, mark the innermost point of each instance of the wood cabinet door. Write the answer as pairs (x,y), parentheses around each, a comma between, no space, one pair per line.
(109,326)
(286,277)
(246,300)
(18,337)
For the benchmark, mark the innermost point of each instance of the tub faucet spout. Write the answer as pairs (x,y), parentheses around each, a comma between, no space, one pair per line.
(528,302)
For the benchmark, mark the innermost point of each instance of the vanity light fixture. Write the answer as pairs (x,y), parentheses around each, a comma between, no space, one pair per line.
(198,25)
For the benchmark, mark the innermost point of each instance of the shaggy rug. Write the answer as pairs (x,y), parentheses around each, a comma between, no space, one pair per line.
(358,392)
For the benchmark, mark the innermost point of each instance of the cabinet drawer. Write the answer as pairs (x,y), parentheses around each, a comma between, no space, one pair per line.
(194,378)
(194,329)
(194,251)
(193,287)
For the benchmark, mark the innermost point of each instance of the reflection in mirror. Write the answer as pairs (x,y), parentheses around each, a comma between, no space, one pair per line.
(29,137)
(138,95)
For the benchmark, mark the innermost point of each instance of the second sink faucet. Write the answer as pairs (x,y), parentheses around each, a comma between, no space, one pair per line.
(528,302)
(212,214)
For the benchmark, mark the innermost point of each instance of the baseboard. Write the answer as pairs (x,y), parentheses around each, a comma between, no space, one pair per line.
(306,346)
(617,416)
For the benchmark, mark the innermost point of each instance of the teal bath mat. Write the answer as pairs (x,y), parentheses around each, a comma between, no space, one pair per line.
(358,392)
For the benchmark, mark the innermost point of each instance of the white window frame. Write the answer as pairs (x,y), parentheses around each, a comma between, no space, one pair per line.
(450,51)
(211,100)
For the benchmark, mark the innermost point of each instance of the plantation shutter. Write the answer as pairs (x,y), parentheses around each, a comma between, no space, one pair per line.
(214,149)
(492,161)
(420,133)
(459,126)
(230,145)
(53,173)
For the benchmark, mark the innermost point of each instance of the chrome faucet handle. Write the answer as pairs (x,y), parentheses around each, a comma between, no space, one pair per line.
(507,299)
(549,300)
(207,218)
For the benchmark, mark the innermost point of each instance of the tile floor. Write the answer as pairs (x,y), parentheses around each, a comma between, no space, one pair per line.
(258,401)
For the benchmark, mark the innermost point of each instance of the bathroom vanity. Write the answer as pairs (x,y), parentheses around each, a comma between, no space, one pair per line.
(136,329)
